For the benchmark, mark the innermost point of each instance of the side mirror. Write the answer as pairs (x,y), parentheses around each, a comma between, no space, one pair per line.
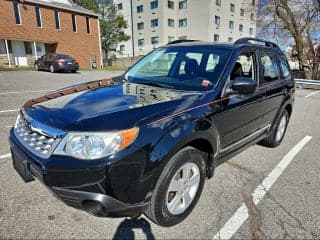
(244,85)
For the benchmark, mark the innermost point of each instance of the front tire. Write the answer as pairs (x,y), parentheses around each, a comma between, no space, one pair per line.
(277,134)
(178,188)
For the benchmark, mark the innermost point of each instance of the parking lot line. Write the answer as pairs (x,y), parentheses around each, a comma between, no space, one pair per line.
(10,110)
(313,93)
(5,156)
(8,93)
(241,214)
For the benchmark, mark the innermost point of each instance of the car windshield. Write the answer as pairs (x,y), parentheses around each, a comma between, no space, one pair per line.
(182,68)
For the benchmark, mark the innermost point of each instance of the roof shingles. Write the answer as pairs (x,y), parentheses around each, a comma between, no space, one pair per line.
(68,5)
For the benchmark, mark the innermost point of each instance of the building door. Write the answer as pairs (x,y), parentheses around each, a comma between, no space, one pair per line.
(19,53)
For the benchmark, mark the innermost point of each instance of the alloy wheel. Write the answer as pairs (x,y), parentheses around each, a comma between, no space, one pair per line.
(183,188)
(281,128)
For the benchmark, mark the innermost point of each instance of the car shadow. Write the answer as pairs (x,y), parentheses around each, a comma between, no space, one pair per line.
(126,228)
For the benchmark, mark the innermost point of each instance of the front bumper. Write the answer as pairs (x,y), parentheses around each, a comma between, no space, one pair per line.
(98,204)
(93,197)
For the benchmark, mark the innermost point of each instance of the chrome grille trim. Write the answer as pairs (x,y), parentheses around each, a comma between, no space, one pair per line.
(38,141)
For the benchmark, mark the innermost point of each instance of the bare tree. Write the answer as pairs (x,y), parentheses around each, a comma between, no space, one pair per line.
(295,22)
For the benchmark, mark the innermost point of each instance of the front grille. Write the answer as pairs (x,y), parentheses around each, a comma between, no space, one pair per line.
(37,142)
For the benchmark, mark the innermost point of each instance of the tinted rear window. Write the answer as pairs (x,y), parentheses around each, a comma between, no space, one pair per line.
(62,56)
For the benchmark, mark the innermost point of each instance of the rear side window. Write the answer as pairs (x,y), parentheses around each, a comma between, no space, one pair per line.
(285,69)
(269,68)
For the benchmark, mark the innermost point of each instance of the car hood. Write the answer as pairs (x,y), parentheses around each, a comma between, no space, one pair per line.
(102,106)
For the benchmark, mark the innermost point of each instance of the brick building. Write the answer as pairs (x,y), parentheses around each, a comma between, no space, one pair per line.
(31,28)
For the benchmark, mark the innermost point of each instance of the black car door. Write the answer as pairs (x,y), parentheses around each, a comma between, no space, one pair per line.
(271,84)
(40,63)
(241,115)
(47,61)
(43,62)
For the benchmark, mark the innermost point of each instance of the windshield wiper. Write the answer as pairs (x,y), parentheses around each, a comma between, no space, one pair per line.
(156,84)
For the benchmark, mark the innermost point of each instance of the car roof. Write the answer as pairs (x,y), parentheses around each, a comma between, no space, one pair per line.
(242,42)
(196,43)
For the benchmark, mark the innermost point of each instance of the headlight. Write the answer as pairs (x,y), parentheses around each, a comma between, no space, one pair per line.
(91,145)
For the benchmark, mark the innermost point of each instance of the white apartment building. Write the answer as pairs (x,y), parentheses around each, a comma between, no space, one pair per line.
(153,23)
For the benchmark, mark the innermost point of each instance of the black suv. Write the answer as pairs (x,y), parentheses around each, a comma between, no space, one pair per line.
(146,141)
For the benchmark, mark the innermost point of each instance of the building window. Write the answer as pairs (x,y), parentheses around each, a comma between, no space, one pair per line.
(28,47)
(230,39)
(170,4)
(217,20)
(251,31)
(154,23)
(122,48)
(241,12)
(231,24)
(3,49)
(120,7)
(39,49)
(38,17)
(240,28)
(170,22)
(140,9)
(216,37)
(232,7)
(140,42)
(57,19)
(140,26)
(88,25)
(74,22)
(16,10)
(170,39)
(183,4)
(154,40)
(253,2)
(183,38)
(252,16)
(183,22)
(218,2)
(154,4)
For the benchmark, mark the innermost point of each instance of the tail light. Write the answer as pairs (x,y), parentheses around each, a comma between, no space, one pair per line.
(76,62)
(60,61)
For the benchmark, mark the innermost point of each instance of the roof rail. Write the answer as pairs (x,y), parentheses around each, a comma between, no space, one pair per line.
(257,41)
(181,41)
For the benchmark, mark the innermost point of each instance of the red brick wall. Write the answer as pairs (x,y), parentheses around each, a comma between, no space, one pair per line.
(79,45)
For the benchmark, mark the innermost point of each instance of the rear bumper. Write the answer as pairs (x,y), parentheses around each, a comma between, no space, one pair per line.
(67,67)
(99,205)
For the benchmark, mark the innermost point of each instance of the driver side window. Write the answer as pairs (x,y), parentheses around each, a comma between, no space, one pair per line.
(244,66)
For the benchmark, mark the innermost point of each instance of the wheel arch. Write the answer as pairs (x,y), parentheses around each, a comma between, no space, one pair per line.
(288,107)
(206,140)
(204,146)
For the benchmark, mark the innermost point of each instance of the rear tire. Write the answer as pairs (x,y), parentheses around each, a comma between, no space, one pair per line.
(73,71)
(178,188)
(277,134)
(52,70)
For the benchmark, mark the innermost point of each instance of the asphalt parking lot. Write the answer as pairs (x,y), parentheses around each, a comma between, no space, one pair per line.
(284,181)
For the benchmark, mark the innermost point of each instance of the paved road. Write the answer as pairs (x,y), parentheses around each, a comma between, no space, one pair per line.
(290,209)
